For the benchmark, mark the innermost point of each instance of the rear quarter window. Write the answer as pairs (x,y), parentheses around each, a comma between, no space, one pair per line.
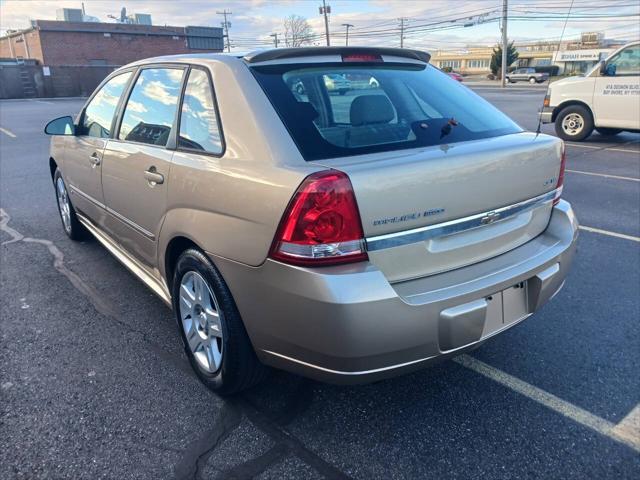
(334,110)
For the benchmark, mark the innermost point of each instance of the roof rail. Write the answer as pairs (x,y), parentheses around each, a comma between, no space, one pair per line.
(282,53)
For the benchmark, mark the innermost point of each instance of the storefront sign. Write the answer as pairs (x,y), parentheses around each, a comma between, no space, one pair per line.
(580,55)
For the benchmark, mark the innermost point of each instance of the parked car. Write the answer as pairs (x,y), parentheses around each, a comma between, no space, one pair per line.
(527,75)
(605,99)
(337,83)
(418,227)
(455,76)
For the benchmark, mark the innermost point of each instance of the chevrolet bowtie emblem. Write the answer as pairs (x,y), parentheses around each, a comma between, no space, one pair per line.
(490,218)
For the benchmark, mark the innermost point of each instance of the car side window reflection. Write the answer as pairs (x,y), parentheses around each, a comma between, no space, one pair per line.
(97,118)
(199,129)
(627,62)
(151,108)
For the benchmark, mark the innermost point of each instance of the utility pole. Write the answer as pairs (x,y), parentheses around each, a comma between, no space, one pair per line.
(325,10)
(505,45)
(347,25)
(226,26)
(275,38)
(402,20)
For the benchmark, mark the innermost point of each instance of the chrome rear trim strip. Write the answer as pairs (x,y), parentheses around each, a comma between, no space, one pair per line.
(459,225)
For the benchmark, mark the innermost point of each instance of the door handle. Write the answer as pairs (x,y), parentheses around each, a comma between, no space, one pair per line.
(94,159)
(153,177)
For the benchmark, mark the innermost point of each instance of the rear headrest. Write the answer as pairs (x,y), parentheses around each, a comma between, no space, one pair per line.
(371,109)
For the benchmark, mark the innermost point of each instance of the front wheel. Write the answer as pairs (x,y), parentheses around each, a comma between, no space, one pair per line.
(212,331)
(533,81)
(72,226)
(608,132)
(574,123)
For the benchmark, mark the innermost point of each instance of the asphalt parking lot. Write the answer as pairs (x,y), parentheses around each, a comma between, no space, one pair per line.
(94,383)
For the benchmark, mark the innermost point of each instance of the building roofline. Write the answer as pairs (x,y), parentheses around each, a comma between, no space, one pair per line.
(103,27)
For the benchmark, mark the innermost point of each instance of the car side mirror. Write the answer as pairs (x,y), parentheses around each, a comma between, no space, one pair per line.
(60,126)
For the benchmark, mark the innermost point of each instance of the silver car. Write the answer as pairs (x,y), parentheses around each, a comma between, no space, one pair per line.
(345,238)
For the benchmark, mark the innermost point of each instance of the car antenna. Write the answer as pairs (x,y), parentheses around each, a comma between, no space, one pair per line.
(556,56)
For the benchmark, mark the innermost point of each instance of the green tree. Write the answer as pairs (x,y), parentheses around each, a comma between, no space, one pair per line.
(496,58)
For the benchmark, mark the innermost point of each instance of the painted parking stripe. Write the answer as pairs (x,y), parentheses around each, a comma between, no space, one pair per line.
(624,432)
(610,234)
(629,427)
(7,132)
(616,177)
(608,149)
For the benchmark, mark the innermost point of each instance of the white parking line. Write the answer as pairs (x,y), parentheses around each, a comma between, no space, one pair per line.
(7,132)
(602,147)
(629,427)
(625,432)
(611,234)
(616,177)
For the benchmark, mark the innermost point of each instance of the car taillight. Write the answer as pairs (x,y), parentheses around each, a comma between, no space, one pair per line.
(563,162)
(321,225)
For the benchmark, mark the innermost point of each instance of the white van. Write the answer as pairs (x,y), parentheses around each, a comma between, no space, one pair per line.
(607,98)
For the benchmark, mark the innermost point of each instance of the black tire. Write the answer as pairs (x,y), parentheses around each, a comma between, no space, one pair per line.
(608,132)
(74,229)
(240,368)
(587,123)
(533,81)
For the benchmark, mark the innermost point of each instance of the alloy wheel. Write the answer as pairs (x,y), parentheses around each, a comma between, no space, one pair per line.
(63,204)
(201,321)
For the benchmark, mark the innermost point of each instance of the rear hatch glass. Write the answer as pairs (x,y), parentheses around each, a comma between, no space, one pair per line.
(335,109)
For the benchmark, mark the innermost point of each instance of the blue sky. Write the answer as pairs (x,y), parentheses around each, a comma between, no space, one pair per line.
(432,24)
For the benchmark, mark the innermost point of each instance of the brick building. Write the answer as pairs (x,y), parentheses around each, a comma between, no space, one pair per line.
(55,43)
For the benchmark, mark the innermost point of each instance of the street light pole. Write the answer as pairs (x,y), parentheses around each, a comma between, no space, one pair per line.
(325,10)
(505,45)
(347,25)
(226,25)
(275,37)
(402,20)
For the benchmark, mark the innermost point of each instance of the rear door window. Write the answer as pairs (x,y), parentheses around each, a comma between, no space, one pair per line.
(151,108)
(199,128)
(334,110)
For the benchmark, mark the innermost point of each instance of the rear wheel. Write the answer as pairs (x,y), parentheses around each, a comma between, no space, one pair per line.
(212,331)
(70,223)
(608,131)
(533,81)
(574,123)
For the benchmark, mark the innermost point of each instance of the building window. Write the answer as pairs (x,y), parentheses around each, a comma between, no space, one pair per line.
(450,63)
(477,63)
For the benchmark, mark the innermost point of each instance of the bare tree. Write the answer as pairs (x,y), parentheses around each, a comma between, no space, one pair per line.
(297,31)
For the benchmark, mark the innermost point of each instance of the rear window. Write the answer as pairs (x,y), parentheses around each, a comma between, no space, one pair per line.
(335,110)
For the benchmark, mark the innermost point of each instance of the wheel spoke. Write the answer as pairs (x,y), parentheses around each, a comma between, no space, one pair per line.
(199,288)
(213,354)
(186,291)
(193,338)
(186,305)
(213,320)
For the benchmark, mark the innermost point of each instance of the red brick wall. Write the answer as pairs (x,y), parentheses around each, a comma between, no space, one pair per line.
(78,48)
(19,49)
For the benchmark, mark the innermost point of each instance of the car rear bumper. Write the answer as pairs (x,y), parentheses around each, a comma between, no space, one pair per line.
(348,324)
(546,115)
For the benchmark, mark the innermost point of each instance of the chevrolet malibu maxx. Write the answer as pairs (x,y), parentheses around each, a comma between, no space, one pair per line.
(347,238)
